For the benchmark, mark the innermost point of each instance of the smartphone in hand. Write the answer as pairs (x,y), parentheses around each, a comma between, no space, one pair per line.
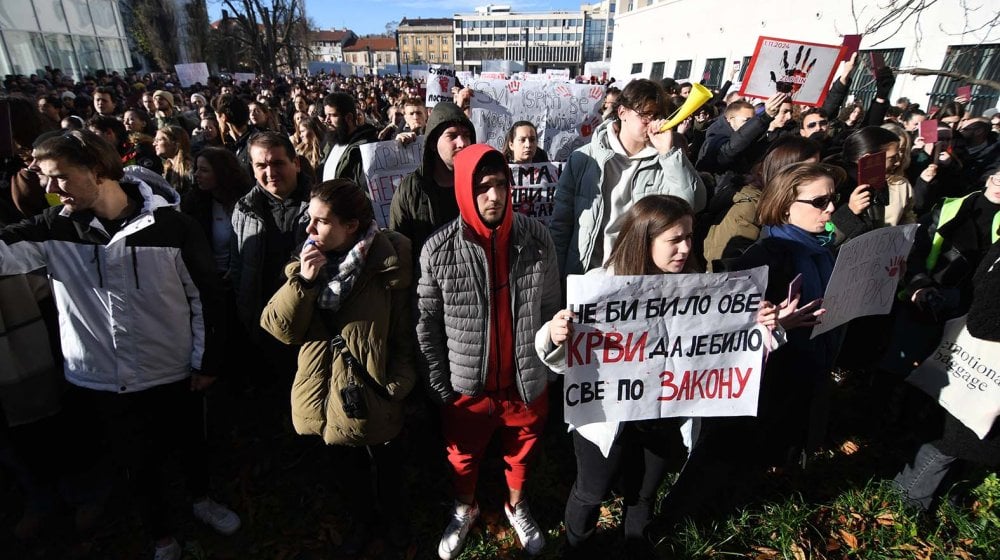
(795,287)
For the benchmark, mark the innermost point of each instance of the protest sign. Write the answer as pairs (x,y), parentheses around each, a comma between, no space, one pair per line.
(599,70)
(191,74)
(242,77)
(646,347)
(533,188)
(558,74)
(801,69)
(565,114)
(440,78)
(865,276)
(385,164)
(464,76)
(963,374)
(493,75)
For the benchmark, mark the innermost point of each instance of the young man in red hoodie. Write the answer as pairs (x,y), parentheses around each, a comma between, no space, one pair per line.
(489,280)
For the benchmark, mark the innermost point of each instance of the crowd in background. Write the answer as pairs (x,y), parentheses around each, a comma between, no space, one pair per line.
(294,278)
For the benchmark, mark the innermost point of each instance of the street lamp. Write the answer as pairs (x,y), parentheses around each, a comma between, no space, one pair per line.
(406,57)
(371,60)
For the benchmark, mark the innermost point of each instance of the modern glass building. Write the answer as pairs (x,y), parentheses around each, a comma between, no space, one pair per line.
(76,36)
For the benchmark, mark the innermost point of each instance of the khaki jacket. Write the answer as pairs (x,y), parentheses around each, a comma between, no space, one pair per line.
(375,322)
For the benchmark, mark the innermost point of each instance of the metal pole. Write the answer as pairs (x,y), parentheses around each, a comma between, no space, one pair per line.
(398,56)
(526,31)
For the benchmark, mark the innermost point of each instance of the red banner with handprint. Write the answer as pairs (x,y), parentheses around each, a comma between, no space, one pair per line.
(802,69)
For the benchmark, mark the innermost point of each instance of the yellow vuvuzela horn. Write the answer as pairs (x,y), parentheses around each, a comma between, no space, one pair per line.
(699,96)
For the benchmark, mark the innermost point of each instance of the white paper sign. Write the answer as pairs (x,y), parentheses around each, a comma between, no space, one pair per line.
(564,114)
(385,165)
(440,79)
(806,69)
(646,347)
(558,74)
(865,276)
(242,77)
(493,75)
(192,73)
(533,188)
(963,373)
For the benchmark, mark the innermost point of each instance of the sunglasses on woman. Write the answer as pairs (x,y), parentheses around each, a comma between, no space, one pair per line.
(821,202)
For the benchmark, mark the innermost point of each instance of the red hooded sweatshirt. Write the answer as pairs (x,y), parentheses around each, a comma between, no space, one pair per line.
(495,242)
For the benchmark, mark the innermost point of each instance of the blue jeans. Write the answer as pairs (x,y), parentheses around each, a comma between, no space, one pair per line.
(920,480)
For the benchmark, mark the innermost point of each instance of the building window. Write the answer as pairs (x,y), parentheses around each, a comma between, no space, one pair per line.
(417,39)
(743,68)
(977,61)
(444,40)
(430,40)
(636,68)
(862,77)
(682,70)
(406,40)
(712,76)
(657,72)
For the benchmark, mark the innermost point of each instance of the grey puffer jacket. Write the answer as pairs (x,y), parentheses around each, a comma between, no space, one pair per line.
(453,303)
(579,202)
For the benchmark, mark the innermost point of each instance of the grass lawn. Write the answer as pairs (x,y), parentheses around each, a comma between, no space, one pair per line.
(285,487)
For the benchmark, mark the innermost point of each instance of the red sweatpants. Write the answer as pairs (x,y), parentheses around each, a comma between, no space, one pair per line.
(469,423)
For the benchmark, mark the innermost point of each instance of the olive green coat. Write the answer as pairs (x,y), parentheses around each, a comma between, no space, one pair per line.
(375,322)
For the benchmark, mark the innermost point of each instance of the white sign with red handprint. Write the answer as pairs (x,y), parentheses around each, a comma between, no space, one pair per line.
(866,276)
(565,114)
(804,70)
(440,78)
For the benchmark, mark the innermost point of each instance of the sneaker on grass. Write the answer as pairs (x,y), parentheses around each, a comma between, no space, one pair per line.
(524,525)
(172,551)
(216,516)
(462,518)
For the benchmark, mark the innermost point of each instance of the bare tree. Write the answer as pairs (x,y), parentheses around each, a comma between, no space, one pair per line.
(273,34)
(197,32)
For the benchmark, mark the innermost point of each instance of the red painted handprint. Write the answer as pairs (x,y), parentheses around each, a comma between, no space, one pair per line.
(596,92)
(587,128)
(897,265)
(564,91)
(513,86)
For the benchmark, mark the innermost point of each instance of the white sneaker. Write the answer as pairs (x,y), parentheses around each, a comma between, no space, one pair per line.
(172,551)
(462,518)
(524,525)
(216,516)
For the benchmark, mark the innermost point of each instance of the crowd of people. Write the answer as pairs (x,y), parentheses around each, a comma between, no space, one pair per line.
(155,238)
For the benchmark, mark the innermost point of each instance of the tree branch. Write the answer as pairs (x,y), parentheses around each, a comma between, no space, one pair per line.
(950,74)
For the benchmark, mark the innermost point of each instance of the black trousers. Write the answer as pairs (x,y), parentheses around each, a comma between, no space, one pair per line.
(371,481)
(642,454)
(146,429)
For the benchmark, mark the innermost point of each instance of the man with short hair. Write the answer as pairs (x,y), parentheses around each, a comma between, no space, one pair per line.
(233,115)
(627,159)
(739,140)
(50,108)
(489,281)
(815,124)
(414,120)
(425,199)
(104,101)
(136,292)
(347,132)
(268,223)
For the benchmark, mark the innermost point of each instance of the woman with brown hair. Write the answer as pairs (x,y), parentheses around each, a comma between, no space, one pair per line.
(173,145)
(220,182)
(347,304)
(655,238)
(309,144)
(739,228)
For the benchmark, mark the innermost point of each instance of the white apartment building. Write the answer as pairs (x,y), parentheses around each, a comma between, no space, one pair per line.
(76,36)
(698,40)
(539,39)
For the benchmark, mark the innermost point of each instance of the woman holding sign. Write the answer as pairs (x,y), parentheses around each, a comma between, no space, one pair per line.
(796,240)
(655,238)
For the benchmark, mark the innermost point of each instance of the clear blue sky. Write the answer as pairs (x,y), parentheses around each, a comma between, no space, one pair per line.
(370,16)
